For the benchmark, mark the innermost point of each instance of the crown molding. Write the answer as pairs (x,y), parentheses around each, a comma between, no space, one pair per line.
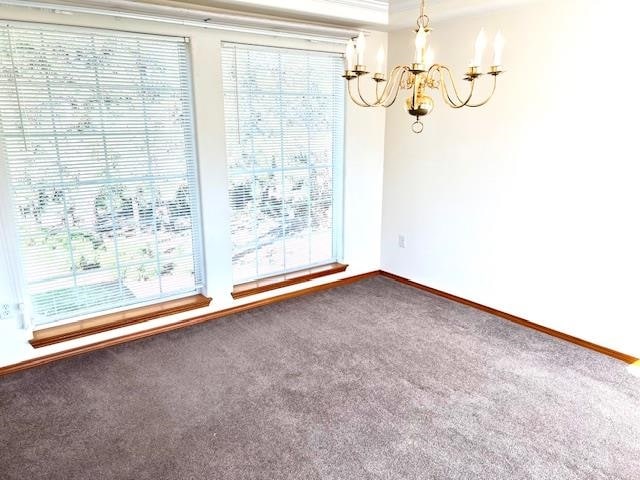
(379,5)
(339,19)
(343,12)
(203,17)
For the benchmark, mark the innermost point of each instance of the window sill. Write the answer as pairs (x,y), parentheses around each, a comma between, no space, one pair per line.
(111,321)
(279,281)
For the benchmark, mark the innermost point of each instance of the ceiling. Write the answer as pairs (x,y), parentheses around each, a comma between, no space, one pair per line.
(403,13)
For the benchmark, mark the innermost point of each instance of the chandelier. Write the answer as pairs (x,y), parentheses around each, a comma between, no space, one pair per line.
(421,75)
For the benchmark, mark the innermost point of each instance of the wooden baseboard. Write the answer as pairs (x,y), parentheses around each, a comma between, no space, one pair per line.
(512,318)
(34,362)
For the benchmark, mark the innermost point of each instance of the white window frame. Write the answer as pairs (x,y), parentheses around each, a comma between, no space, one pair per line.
(9,240)
(338,167)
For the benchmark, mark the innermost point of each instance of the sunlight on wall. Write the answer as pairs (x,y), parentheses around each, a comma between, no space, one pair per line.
(529,203)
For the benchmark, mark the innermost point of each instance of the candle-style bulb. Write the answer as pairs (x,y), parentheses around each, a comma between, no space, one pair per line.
(421,41)
(361,43)
(498,48)
(349,55)
(481,43)
(380,59)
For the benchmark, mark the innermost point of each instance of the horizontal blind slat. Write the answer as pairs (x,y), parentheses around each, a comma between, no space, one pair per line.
(98,137)
(280,121)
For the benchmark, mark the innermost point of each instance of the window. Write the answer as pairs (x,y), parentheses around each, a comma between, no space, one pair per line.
(284,119)
(97,131)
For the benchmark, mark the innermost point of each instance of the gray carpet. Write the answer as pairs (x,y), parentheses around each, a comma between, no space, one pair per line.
(375,380)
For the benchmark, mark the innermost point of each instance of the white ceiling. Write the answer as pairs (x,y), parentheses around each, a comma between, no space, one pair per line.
(403,13)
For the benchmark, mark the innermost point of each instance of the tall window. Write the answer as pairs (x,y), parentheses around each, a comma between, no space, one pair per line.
(97,130)
(284,118)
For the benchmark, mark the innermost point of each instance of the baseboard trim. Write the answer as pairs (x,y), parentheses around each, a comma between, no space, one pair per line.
(512,318)
(35,362)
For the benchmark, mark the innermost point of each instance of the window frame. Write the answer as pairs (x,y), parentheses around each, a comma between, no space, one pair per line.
(294,275)
(147,309)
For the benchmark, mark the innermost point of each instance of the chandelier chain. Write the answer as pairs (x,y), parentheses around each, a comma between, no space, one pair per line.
(422,22)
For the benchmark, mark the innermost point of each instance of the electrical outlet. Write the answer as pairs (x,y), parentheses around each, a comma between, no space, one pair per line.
(401,242)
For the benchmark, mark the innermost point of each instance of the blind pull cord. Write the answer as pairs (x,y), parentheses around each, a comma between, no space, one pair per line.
(15,86)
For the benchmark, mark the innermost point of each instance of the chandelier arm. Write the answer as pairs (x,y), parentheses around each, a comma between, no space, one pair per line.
(353,98)
(466,103)
(493,90)
(374,104)
(438,83)
(405,79)
(461,103)
(390,91)
(390,84)
(398,87)
(433,68)
(381,99)
(451,101)
(394,86)
(445,94)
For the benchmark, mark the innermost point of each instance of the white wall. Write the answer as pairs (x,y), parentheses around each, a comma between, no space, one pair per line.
(530,205)
(363,165)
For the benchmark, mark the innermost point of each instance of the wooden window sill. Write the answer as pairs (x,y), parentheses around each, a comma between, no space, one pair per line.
(111,321)
(279,281)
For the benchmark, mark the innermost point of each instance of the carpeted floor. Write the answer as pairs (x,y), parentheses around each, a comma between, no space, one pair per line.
(375,380)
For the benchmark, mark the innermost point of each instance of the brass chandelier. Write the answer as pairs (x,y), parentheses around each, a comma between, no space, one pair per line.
(423,73)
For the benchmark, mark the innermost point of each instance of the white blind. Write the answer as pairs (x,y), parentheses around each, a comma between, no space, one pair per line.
(98,132)
(284,120)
